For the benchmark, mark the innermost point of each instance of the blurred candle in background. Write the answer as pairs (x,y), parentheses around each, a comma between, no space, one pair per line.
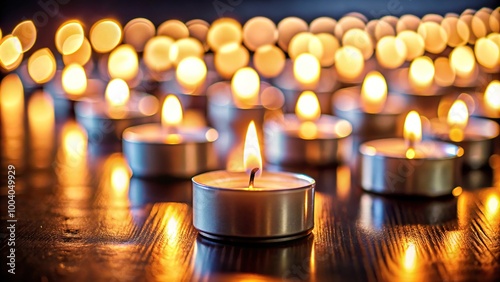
(41,120)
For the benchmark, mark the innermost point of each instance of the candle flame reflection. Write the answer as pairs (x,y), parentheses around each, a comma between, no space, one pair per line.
(410,258)
(458,117)
(41,119)
(308,110)
(373,92)
(245,87)
(492,96)
(412,132)
(251,151)
(123,63)
(12,113)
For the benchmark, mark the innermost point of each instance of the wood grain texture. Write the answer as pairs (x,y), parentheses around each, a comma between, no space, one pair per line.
(84,219)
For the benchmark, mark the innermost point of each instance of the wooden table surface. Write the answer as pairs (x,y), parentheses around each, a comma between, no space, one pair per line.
(82,218)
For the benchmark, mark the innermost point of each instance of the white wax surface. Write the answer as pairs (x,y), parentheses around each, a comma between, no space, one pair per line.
(397,148)
(329,127)
(154,133)
(238,181)
(477,129)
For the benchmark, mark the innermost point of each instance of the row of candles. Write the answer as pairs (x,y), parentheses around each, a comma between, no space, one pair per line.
(332,68)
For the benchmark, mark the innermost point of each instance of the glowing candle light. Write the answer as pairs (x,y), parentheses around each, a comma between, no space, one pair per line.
(487,52)
(288,28)
(458,117)
(230,58)
(306,69)
(123,63)
(463,61)
(329,44)
(410,258)
(105,35)
(26,32)
(492,96)
(269,60)
(373,92)
(156,53)
(251,152)
(12,111)
(259,31)
(421,73)
(360,39)
(80,56)
(391,52)
(171,116)
(224,31)
(307,110)
(349,62)
(185,47)
(414,42)
(11,52)
(457,30)
(69,37)
(174,29)
(322,25)
(137,32)
(41,120)
(74,80)
(42,66)
(191,72)
(445,73)
(245,87)
(434,35)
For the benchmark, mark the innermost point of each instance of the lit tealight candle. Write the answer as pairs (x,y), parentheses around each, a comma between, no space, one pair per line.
(410,166)
(233,105)
(107,119)
(369,108)
(416,84)
(169,148)
(488,103)
(475,135)
(252,206)
(305,73)
(306,137)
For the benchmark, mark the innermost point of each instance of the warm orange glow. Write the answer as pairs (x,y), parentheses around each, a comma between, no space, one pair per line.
(26,32)
(191,73)
(148,105)
(421,74)
(434,35)
(269,60)
(457,30)
(81,56)
(74,143)
(458,117)
(300,44)
(224,31)
(41,120)
(288,28)
(74,79)
(117,92)
(307,108)
(492,206)
(105,35)
(12,117)
(171,114)
(11,51)
(69,37)
(184,48)
(360,39)
(445,73)
(123,63)
(308,130)
(230,58)
(251,152)
(391,52)
(373,92)
(349,62)
(306,69)
(457,191)
(259,31)
(174,29)
(120,178)
(492,96)
(42,66)
(156,53)
(412,129)
(245,87)
(414,42)
(137,32)
(410,257)
(329,44)
(463,61)
(487,52)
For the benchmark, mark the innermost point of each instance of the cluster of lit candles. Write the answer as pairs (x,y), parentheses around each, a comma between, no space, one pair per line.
(307,94)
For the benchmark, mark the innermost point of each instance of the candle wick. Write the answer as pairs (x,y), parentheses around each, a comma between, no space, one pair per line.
(252,177)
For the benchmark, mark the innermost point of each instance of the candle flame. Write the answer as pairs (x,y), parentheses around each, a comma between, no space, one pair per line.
(462,60)
(492,95)
(373,92)
(458,117)
(117,92)
(245,87)
(306,69)
(251,152)
(171,112)
(421,74)
(307,108)
(412,129)
(123,62)
(74,79)
(191,73)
